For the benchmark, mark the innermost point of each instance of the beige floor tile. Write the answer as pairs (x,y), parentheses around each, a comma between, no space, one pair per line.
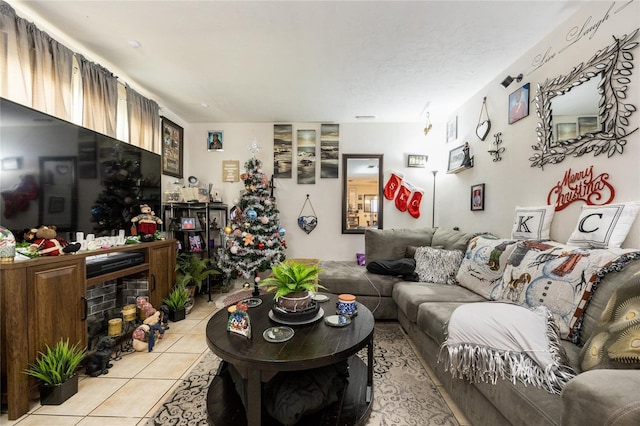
(157,406)
(182,327)
(134,399)
(109,421)
(168,339)
(132,364)
(92,391)
(36,420)
(168,366)
(190,343)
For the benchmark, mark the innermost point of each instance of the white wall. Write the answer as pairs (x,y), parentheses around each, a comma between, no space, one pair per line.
(509,182)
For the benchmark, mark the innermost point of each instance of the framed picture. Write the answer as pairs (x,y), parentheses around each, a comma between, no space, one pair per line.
(214,140)
(588,125)
(417,160)
(566,131)
(172,148)
(477,197)
(452,129)
(195,243)
(456,158)
(188,223)
(12,163)
(519,104)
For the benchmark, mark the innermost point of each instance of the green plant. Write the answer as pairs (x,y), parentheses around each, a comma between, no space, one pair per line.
(178,298)
(292,277)
(57,365)
(192,270)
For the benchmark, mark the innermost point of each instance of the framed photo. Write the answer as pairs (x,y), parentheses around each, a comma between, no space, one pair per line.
(195,243)
(417,160)
(172,148)
(456,158)
(214,140)
(519,104)
(588,125)
(12,163)
(477,197)
(452,129)
(566,131)
(188,223)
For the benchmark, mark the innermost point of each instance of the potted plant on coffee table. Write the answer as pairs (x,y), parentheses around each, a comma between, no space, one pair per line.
(291,282)
(176,301)
(56,369)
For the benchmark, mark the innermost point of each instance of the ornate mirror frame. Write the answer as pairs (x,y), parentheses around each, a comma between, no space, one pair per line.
(359,212)
(614,64)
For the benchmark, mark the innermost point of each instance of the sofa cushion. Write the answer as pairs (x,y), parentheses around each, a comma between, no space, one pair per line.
(532,223)
(437,266)
(432,319)
(408,296)
(483,264)
(557,276)
(349,277)
(449,239)
(389,244)
(604,226)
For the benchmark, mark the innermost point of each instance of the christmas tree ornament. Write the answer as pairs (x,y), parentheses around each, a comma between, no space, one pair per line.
(237,232)
(402,198)
(251,214)
(282,231)
(248,239)
(228,230)
(261,246)
(234,249)
(264,220)
(309,222)
(392,185)
(414,202)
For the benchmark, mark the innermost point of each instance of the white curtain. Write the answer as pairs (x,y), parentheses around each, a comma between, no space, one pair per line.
(100,97)
(144,121)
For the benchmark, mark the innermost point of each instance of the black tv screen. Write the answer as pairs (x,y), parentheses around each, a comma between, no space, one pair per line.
(54,172)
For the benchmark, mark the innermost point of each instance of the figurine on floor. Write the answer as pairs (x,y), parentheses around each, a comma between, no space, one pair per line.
(98,362)
(164,315)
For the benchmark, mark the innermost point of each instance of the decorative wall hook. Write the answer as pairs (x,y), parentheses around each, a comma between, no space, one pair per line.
(499,150)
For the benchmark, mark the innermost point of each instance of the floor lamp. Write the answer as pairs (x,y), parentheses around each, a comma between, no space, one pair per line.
(433,201)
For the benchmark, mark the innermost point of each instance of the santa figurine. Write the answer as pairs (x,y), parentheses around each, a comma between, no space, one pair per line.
(146,223)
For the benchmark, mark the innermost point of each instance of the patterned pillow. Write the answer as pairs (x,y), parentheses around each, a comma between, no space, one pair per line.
(483,264)
(532,223)
(615,343)
(557,276)
(437,266)
(604,226)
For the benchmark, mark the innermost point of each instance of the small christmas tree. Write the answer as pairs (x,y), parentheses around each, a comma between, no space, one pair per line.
(254,238)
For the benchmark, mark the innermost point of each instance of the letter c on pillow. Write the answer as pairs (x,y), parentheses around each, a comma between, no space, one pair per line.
(581,227)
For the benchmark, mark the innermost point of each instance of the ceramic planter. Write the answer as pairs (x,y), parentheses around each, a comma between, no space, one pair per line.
(57,394)
(295,302)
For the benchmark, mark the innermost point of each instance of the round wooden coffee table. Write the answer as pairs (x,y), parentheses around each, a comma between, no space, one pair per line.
(313,345)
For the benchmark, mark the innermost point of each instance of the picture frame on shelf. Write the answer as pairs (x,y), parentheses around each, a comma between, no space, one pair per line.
(456,159)
(477,197)
(415,160)
(452,129)
(195,243)
(519,104)
(172,148)
(214,140)
(188,223)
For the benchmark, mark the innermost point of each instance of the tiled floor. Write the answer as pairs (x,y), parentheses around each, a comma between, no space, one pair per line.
(137,384)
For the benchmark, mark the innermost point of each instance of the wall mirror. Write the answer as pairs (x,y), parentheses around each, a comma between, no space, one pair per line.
(570,124)
(361,192)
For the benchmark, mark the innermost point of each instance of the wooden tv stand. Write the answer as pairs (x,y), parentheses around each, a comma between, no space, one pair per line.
(43,300)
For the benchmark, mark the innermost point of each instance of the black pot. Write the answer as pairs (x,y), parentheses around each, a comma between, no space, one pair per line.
(57,394)
(178,315)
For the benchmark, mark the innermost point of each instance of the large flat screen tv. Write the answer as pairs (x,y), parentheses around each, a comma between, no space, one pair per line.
(57,173)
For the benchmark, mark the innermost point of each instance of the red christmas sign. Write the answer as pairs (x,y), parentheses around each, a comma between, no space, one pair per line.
(581,186)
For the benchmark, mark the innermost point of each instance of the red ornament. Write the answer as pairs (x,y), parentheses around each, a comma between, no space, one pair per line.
(260,246)
(283,243)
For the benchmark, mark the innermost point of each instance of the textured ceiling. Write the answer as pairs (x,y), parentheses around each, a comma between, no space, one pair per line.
(302,61)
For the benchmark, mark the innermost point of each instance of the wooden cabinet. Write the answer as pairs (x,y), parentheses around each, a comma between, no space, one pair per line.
(43,300)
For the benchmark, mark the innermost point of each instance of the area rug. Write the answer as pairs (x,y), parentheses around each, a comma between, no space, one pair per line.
(403,392)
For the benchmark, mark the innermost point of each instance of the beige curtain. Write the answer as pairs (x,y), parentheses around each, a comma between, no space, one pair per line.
(100,97)
(144,121)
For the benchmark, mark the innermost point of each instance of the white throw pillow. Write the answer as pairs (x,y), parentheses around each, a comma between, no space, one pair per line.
(437,266)
(604,226)
(532,223)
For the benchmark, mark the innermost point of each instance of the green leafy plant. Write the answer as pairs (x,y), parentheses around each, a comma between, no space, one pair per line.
(192,270)
(291,277)
(56,366)
(178,298)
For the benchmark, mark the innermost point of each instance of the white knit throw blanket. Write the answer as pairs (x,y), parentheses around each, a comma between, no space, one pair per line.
(488,341)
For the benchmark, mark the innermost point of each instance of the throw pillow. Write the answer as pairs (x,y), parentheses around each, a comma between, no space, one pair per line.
(615,343)
(437,266)
(487,341)
(604,226)
(483,264)
(532,223)
(395,267)
(557,276)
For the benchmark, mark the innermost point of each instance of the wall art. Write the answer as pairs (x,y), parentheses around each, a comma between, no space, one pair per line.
(477,197)
(519,104)
(581,185)
(172,148)
(483,127)
(452,129)
(214,140)
(414,160)
(282,151)
(497,141)
(329,151)
(306,155)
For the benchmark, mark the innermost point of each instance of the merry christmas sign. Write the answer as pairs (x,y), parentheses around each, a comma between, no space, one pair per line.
(582,185)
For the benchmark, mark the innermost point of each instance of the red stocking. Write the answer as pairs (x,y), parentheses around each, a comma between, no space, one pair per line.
(414,203)
(392,185)
(402,199)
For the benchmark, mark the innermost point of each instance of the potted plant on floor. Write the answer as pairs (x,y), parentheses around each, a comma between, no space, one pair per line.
(176,302)
(291,282)
(191,271)
(56,369)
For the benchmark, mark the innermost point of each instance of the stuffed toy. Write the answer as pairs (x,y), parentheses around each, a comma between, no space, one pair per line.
(146,222)
(144,337)
(48,243)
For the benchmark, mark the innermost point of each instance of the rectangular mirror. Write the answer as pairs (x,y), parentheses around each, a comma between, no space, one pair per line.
(361,192)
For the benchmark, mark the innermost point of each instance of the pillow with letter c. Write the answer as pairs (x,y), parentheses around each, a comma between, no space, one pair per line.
(604,226)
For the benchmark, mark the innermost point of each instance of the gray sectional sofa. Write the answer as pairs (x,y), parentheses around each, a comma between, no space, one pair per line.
(594,397)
